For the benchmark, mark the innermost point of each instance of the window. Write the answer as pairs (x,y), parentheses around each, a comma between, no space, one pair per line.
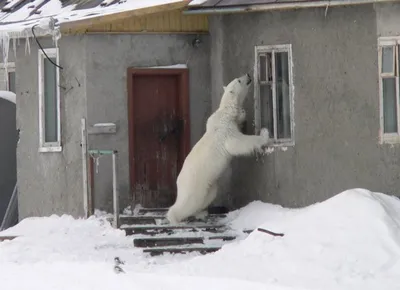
(10,80)
(389,62)
(274,92)
(49,102)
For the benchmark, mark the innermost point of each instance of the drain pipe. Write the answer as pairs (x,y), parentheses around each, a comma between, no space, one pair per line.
(278,6)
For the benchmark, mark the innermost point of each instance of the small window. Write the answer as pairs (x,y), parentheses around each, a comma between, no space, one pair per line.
(49,101)
(274,93)
(389,51)
(11,82)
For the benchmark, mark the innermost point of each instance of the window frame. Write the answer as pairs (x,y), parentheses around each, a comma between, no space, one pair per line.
(10,69)
(390,138)
(263,49)
(48,146)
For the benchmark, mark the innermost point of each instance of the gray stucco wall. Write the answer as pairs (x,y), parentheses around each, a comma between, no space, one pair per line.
(336,102)
(107,59)
(50,183)
(8,145)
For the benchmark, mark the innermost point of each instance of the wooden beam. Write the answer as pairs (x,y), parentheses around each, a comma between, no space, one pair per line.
(87,23)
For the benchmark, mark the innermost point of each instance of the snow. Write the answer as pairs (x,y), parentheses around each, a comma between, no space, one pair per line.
(348,242)
(9,96)
(53,8)
(197,2)
(104,125)
(174,66)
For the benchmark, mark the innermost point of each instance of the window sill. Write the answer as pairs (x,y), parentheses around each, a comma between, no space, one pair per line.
(50,149)
(390,139)
(283,146)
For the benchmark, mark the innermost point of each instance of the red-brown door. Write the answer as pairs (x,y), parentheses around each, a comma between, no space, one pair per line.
(158,133)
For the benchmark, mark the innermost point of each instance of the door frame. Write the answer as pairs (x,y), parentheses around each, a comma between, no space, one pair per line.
(183,111)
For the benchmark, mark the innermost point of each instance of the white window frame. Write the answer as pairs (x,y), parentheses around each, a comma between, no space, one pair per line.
(389,138)
(48,146)
(257,103)
(10,68)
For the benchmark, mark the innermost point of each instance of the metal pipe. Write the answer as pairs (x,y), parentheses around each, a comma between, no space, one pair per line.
(115,191)
(84,168)
(279,6)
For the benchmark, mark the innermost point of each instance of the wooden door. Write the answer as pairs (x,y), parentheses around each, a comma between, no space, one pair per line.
(158,133)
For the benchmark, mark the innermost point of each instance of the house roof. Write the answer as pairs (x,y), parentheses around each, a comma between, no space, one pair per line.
(216,6)
(18,16)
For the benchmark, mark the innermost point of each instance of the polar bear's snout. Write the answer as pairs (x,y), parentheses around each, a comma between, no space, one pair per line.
(248,79)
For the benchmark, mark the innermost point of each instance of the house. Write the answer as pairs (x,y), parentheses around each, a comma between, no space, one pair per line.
(141,78)
(122,67)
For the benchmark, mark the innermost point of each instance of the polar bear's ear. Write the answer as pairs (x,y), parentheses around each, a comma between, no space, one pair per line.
(224,88)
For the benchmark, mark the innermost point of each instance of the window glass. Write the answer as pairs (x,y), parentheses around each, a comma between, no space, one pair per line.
(389,105)
(11,82)
(387,59)
(50,101)
(282,95)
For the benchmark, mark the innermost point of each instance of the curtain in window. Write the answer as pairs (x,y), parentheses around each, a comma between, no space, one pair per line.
(389,105)
(282,95)
(267,111)
(50,101)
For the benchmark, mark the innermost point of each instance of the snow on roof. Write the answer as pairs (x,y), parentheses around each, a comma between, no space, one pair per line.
(21,18)
(7,95)
(197,2)
(18,17)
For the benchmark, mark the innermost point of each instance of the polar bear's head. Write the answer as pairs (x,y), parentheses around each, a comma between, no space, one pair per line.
(236,91)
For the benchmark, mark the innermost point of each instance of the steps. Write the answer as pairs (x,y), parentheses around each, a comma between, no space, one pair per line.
(155,236)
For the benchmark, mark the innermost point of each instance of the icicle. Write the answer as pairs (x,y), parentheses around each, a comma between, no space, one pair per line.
(15,47)
(97,164)
(55,35)
(27,45)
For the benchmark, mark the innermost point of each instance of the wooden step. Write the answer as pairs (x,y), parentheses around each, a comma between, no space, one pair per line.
(163,210)
(180,250)
(154,219)
(155,210)
(139,220)
(158,229)
(174,241)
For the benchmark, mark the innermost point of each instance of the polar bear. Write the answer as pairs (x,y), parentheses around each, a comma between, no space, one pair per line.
(197,182)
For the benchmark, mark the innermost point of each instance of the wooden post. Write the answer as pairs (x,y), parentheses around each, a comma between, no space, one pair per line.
(115,190)
(84,168)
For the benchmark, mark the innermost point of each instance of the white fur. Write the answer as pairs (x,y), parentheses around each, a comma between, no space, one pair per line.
(197,183)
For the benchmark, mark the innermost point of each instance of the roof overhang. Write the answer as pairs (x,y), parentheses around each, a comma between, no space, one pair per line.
(88,22)
(243,7)
(54,26)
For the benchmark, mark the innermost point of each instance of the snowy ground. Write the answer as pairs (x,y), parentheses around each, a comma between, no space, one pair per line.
(349,242)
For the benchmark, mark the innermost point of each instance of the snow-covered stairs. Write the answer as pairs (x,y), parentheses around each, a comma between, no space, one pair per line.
(152,232)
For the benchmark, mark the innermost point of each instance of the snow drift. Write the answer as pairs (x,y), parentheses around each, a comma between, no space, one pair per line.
(348,242)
